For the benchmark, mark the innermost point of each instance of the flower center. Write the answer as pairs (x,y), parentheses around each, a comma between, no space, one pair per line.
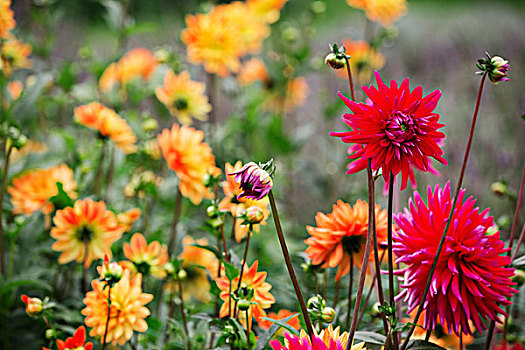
(352,244)
(400,128)
(181,103)
(142,267)
(85,234)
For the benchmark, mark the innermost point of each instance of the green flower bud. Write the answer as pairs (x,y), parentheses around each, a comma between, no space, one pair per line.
(244,304)
(328,314)
(211,211)
(335,61)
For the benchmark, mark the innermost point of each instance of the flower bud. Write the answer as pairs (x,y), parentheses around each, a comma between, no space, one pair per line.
(316,302)
(244,304)
(318,7)
(254,181)
(169,268)
(498,188)
(111,273)
(254,215)
(375,309)
(211,211)
(150,124)
(519,277)
(328,314)
(34,306)
(51,333)
(335,61)
(182,275)
(495,67)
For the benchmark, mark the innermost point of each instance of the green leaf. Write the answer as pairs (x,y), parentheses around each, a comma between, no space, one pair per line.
(282,324)
(62,199)
(231,271)
(519,262)
(19,283)
(370,337)
(423,345)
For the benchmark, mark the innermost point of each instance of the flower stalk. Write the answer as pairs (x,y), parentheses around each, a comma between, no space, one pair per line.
(390,254)
(176,217)
(350,80)
(2,192)
(183,315)
(350,285)
(107,319)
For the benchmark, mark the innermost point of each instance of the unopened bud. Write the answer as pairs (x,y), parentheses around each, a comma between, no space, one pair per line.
(169,268)
(254,215)
(328,314)
(498,188)
(34,306)
(211,211)
(182,274)
(375,309)
(244,304)
(50,334)
(150,124)
(336,61)
(519,277)
(316,302)
(111,273)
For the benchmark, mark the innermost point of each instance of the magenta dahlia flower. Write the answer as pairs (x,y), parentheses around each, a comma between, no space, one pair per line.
(397,130)
(254,181)
(471,281)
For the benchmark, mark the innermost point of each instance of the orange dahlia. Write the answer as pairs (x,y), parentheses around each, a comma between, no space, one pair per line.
(86,224)
(128,310)
(342,234)
(363,62)
(385,12)
(15,88)
(108,123)
(128,218)
(212,42)
(183,97)
(251,71)
(251,279)
(31,191)
(190,158)
(7,18)
(30,147)
(146,258)
(268,10)
(76,342)
(15,55)
(137,63)
(236,206)
(283,313)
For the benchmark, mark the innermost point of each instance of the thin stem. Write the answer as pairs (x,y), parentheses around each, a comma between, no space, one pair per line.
(107,319)
(100,166)
(517,212)
(289,266)
(490,334)
(390,253)
(336,296)
(84,267)
(323,294)
(444,235)
(350,80)
(364,265)
(367,299)
(2,192)
(350,285)
(520,240)
(224,249)
(316,279)
(248,329)
(183,314)
(176,217)
(109,173)
(242,270)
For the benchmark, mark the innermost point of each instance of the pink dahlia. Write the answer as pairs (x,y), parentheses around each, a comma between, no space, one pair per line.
(396,130)
(471,281)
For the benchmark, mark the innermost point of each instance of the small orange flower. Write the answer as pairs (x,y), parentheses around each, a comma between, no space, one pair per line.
(86,223)
(385,12)
(297,91)
(147,259)
(190,158)
(183,97)
(251,71)
(363,62)
(268,10)
(31,191)
(128,311)
(128,218)
(137,63)
(15,55)
(236,205)
(342,233)
(251,279)
(283,313)
(76,342)
(7,18)
(213,43)
(34,306)
(15,89)
(108,123)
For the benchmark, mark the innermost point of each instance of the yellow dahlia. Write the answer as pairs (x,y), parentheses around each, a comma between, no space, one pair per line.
(108,123)
(128,310)
(183,97)
(251,71)
(385,12)
(236,206)
(137,63)
(15,55)
(86,224)
(147,258)
(212,42)
(190,158)
(363,62)
(31,191)
(268,10)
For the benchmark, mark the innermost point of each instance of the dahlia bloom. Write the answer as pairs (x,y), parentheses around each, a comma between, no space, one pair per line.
(212,42)
(86,223)
(236,205)
(397,131)
(108,123)
(341,233)
(251,71)
(34,306)
(385,12)
(15,88)
(183,97)
(15,55)
(128,218)
(190,158)
(254,182)
(267,10)
(7,18)
(328,339)
(128,310)
(283,313)
(31,191)
(365,59)
(76,342)
(146,258)
(471,281)
(251,279)
(137,63)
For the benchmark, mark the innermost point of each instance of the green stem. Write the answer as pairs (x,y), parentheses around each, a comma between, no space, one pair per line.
(183,314)
(176,217)
(2,192)
(100,166)
(107,319)
(390,253)
(243,263)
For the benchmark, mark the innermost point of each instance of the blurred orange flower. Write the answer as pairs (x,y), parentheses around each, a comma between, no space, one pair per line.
(190,158)
(251,279)
(7,18)
(296,93)
(137,63)
(108,123)
(146,258)
(236,205)
(183,97)
(268,10)
(31,190)
(15,55)
(385,12)
(283,313)
(363,62)
(343,233)
(128,310)
(251,71)
(213,43)
(128,218)
(30,147)
(86,224)
(15,89)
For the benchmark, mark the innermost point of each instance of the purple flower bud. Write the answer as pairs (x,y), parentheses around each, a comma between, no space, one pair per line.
(254,181)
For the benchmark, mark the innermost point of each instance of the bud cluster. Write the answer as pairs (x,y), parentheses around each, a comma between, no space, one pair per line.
(318,311)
